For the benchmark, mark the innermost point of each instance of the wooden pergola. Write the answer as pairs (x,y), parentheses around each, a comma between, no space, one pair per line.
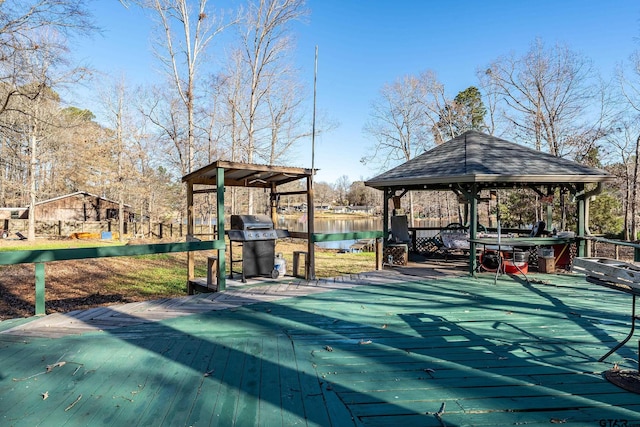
(215,177)
(475,161)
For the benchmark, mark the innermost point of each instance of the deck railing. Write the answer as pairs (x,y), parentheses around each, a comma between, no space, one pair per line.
(618,246)
(40,256)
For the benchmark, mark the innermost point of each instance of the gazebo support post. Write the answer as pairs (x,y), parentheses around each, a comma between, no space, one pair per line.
(581,226)
(471,194)
(222,273)
(385,214)
(473,227)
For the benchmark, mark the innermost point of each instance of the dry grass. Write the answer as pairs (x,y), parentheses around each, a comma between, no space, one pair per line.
(82,284)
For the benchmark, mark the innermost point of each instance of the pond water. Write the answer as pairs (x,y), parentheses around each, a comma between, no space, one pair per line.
(331,225)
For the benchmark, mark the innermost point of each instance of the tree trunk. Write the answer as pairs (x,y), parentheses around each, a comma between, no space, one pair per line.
(33,162)
(634,194)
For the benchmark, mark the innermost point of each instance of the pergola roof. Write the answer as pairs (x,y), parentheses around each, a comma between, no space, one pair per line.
(475,157)
(246,174)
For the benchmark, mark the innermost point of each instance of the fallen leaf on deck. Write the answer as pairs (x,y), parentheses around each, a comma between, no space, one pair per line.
(55,365)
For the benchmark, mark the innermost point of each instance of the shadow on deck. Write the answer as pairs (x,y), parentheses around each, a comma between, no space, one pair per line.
(386,348)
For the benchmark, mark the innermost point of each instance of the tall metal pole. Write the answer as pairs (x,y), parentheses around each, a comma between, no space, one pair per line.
(313,125)
(311,261)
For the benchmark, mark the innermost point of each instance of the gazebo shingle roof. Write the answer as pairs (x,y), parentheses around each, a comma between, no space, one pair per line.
(475,157)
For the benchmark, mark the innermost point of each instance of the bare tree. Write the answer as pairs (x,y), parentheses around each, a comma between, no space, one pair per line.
(28,28)
(398,123)
(117,102)
(549,93)
(402,120)
(38,115)
(186,34)
(266,45)
(342,186)
(625,140)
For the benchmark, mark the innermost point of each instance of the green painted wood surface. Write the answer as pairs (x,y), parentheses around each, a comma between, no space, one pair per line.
(40,297)
(222,263)
(40,256)
(46,255)
(495,354)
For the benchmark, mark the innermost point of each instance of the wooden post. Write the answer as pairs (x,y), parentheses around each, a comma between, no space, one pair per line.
(274,206)
(581,228)
(473,228)
(190,223)
(40,305)
(222,278)
(379,254)
(311,259)
(385,213)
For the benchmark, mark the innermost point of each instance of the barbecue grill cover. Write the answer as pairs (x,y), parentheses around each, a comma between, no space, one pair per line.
(251,222)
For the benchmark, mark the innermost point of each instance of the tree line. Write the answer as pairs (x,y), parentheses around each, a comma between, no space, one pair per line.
(550,98)
(253,107)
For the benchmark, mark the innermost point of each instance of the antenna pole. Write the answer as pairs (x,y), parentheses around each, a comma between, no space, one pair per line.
(313,126)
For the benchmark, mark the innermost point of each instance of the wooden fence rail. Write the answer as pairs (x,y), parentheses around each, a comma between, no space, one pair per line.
(40,256)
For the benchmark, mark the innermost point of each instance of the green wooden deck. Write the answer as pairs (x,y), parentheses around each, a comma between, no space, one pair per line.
(393,352)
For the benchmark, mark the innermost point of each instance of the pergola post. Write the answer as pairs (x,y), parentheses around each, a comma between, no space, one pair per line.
(310,262)
(190,230)
(273,200)
(222,271)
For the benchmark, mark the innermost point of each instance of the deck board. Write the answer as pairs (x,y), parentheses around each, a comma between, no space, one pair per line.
(379,349)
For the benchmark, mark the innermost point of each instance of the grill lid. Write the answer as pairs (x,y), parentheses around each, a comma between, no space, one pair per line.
(251,222)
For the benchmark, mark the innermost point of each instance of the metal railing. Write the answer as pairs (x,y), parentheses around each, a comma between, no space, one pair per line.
(595,241)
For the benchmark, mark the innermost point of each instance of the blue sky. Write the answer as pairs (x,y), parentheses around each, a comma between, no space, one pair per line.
(364,44)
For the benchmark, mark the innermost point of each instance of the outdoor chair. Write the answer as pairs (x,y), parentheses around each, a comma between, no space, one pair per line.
(396,250)
(400,229)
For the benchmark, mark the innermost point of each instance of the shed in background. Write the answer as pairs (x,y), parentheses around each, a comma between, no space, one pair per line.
(78,206)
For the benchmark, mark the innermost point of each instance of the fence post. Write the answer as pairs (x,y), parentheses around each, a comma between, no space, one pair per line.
(40,306)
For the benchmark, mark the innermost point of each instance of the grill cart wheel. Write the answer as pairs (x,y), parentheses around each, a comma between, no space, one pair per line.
(274,274)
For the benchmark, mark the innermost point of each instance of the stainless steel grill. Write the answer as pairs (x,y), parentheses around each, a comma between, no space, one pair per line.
(256,235)
(251,227)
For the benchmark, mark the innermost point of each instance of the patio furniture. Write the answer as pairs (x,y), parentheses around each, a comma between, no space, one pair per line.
(400,229)
(624,277)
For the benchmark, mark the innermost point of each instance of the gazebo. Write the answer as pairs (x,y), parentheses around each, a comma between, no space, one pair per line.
(475,161)
(215,177)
